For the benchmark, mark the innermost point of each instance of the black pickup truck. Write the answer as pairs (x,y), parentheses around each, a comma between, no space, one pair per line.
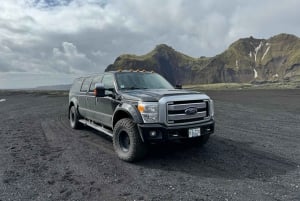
(137,108)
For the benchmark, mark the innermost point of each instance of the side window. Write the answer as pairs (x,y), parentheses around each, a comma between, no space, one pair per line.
(86,84)
(108,81)
(97,79)
(76,85)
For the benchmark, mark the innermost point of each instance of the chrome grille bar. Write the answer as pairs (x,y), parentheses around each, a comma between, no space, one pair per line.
(174,117)
(177,111)
(185,106)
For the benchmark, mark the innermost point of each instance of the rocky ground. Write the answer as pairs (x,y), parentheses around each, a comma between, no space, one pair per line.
(253,155)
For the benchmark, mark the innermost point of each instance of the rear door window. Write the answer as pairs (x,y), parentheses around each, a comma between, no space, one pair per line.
(76,85)
(86,84)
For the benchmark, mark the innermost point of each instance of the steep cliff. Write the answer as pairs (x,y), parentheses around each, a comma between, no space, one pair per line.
(246,60)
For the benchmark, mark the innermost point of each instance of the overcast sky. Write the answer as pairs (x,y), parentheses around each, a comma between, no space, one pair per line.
(48,42)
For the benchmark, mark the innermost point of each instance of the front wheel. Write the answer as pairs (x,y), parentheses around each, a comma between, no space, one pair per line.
(127,141)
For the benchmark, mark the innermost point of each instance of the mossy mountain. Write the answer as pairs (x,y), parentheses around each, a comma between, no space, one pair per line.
(246,60)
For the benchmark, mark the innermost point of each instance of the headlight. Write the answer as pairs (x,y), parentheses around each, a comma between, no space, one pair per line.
(149,111)
(211,108)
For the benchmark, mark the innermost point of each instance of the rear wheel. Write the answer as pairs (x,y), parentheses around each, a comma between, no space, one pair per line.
(74,118)
(127,141)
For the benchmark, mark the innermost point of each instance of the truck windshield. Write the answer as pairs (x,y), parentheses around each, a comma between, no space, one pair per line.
(141,80)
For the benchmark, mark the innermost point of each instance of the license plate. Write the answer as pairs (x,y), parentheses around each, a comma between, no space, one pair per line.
(194,132)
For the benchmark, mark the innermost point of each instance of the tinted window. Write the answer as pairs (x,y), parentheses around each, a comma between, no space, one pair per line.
(108,81)
(76,85)
(97,79)
(86,84)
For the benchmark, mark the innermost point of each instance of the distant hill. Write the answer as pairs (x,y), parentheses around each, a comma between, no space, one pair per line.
(62,87)
(246,60)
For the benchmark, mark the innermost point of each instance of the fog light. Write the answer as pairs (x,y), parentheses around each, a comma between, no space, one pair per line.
(152,133)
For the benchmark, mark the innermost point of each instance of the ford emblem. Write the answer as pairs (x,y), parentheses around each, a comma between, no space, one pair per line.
(190,111)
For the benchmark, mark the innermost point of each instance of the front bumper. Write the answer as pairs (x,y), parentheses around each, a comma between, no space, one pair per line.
(169,133)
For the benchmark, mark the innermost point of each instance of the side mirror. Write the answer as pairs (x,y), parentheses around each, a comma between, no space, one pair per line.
(99,90)
(178,86)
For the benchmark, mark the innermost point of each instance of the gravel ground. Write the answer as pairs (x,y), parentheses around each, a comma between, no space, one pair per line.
(253,155)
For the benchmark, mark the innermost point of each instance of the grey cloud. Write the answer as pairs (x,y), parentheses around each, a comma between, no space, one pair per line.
(73,37)
(69,60)
(6,67)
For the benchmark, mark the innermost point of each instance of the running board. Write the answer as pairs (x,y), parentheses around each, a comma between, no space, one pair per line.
(96,127)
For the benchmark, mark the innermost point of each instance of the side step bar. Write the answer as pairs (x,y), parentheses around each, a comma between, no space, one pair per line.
(96,127)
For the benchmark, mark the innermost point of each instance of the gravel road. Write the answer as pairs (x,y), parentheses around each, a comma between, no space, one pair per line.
(253,155)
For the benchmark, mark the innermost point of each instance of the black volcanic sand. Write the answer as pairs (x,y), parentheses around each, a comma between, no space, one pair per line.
(253,155)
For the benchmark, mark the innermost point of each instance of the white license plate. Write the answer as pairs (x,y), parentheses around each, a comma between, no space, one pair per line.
(194,132)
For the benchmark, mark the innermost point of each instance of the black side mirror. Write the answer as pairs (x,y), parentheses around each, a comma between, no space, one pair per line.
(178,86)
(99,90)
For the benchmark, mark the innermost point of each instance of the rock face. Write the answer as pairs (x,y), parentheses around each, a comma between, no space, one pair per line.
(246,60)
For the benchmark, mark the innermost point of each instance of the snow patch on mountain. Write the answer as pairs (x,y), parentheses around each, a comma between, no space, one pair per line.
(237,64)
(275,76)
(255,73)
(266,52)
(257,49)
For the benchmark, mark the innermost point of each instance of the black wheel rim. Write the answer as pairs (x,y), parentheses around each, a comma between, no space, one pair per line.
(124,141)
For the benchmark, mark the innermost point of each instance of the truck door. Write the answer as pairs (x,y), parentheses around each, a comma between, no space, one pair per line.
(106,105)
(82,98)
(91,99)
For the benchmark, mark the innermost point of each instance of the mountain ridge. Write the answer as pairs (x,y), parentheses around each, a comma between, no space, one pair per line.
(245,60)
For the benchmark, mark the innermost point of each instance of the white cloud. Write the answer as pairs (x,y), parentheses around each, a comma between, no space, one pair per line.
(69,60)
(79,36)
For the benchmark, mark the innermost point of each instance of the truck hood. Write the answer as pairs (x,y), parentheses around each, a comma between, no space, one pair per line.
(153,95)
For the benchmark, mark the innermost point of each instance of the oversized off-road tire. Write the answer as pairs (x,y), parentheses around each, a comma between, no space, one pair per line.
(127,141)
(74,118)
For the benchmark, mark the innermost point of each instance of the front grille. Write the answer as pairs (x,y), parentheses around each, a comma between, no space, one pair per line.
(187,111)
